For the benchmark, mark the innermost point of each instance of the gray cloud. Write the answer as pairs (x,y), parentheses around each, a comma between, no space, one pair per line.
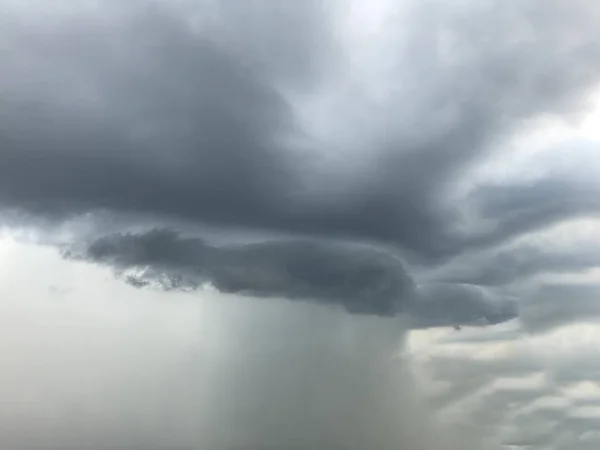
(526,273)
(362,279)
(516,209)
(443,304)
(133,110)
(180,114)
(175,123)
(518,263)
(559,303)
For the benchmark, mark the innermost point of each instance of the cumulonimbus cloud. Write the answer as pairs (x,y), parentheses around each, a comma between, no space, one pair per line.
(196,114)
(293,118)
(310,120)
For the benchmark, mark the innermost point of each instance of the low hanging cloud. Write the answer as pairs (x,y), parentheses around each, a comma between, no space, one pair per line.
(444,304)
(519,263)
(516,209)
(362,279)
(554,304)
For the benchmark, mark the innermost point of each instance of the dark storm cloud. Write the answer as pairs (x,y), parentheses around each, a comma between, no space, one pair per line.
(363,280)
(517,263)
(173,123)
(134,110)
(521,208)
(443,304)
(556,304)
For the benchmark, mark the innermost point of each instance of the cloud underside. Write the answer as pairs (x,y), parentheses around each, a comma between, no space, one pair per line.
(361,279)
(289,117)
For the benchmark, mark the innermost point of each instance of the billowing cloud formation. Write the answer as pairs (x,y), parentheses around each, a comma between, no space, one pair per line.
(516,209)
(297,118)
(516,263)
(362,280)
(193,113)
(443,304)
(554,304)
(108,366)
(334,120)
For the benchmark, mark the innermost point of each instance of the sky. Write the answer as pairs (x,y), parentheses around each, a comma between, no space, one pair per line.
(267,224)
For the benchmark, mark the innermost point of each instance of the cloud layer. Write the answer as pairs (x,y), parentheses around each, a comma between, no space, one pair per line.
(363,280)
(194,113)
(300,120)
(518,390)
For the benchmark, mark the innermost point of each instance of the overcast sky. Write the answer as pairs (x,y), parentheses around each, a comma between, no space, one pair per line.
(313,184)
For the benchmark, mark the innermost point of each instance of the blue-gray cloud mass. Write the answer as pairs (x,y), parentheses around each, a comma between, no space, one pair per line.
(199,115)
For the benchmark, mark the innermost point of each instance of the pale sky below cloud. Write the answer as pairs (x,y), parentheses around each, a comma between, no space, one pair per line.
(109,365)
(129,351)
